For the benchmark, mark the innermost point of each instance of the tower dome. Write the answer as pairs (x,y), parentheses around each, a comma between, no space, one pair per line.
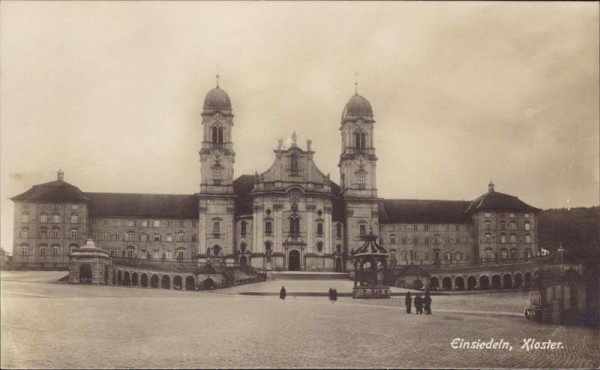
(357,106)
(217,99)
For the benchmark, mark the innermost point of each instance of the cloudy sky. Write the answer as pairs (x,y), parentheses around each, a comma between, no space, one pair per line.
(463,93)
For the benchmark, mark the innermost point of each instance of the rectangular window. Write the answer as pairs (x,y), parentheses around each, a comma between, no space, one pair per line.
(105,222)
(145,223)
(194,223)
(73,234)
(144,237)
(426,241)
(55,233)
(363,230)
(156,223)
(426,227)
(416,240)
(42,251)
(180,237)
(181,223)
(268,228)
(216,229)
(56,218)
(194,237)
(55,251)
(24,251)
(319,228)
(156,237)
(169,237)
(415,227)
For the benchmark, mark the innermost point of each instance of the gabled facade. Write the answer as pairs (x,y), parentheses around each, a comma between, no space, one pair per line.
(289,217)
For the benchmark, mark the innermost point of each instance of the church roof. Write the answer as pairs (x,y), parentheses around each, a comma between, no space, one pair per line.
(143,205)
(217,99)
(54,191)
(494,201)
(415,210)
(357,106)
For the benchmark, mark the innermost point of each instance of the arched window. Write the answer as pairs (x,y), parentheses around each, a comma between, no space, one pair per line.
(458,256)
(338,248)
(294,226)
(24,249)
(216,229)
(360,140)
(217,135)
(393,239)
(527,225)
(43,250)
(55,232)
(447,256)
(56,218)
(74,218)
(130,252)
(268,227)
(361,176)
(319,228)
(488,225)
(131,236)
(488,238)
(503,238)
(363,230)
(43,217)
(503,253)
(180,236)
(243,228)
(268,246)
(527,238)
(527,253)
(55,249)
(513,253)
(217,174)
(488,253)
(338,230)
(243,247)
(43,233)
(25,217)
(294,164)
(180,254)
(436,239)
(24,233)
(513,225)
(436,254)
(216,250)
(169,237)
(513,238)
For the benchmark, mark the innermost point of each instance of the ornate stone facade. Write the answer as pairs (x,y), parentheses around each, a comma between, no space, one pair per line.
(289,217)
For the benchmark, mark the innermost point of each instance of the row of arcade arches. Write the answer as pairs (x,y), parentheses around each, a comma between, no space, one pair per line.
(518,280)
(157,280)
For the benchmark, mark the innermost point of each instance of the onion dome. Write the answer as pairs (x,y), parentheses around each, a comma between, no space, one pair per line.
(217,100)
(358,106)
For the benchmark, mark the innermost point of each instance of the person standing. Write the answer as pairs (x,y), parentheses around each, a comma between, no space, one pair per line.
(419,304)
(408,302)
(334,294)
(427,303)
(282,292)
(331,294)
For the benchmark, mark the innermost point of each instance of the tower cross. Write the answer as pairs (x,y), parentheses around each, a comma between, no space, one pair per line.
(356,83)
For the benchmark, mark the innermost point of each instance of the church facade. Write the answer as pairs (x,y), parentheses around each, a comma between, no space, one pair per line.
(289,217)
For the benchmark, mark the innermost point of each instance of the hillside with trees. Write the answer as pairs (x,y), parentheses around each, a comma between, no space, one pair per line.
(576,228)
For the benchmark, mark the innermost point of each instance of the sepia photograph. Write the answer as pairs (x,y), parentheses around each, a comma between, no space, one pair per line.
(249,184)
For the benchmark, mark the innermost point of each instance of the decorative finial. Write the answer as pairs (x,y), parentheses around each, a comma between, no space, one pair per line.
(279,144)
(491,186)
(308,144)
(217,75)
(60,174)
(356,83)
(294,137)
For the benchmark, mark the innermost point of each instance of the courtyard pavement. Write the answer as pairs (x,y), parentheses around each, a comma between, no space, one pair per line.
(51,325)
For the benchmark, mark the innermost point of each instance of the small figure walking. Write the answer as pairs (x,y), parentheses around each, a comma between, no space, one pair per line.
(331,294)
(419,304)
(427,303)
(334,294)
(282,292)
(408,302)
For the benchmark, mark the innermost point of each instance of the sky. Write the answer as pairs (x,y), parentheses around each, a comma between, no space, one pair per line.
(462,93)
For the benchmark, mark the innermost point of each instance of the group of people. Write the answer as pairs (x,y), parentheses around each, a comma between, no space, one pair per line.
(420,303)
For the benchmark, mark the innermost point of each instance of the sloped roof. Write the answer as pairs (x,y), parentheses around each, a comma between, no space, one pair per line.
(494,201)
(55,191)
(416,210)
(562,257)
(143,205)
(242,186)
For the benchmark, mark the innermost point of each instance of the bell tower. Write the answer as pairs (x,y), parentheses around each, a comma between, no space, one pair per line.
(358,177)
(216,200)
(216,154)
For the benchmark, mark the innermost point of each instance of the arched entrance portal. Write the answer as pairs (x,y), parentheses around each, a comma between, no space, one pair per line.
(471,282)
(484,282)
(434,283)
(85,274)
(243,261)
(294,261)
(459,283)
(338,264)
(496,282)
(190,283)
(447,283)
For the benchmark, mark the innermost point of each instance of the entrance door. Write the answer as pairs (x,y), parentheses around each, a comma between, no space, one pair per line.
(243,261)
(294,261)
(338,264)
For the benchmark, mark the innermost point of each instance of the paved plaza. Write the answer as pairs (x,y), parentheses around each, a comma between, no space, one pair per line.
(51,325)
